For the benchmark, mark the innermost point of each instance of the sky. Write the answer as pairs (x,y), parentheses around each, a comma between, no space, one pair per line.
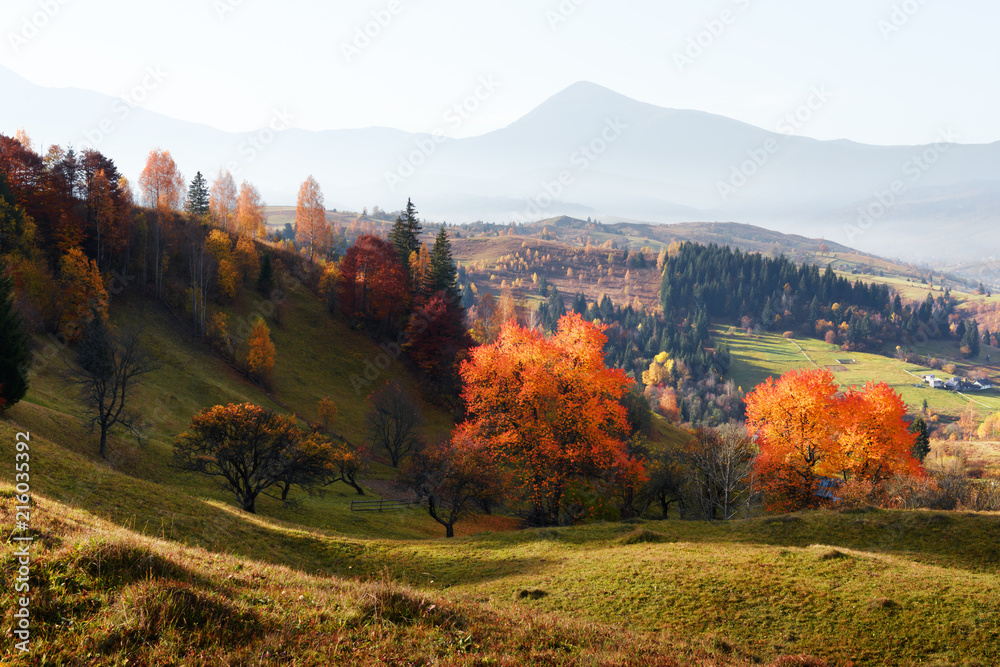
(875,71)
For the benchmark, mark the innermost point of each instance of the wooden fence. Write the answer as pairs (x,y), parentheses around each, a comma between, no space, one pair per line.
(379,505)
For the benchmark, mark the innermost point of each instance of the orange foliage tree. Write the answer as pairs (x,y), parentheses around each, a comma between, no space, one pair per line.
(161,182)
(84,297)
(250,211)
(548,409)
(260,352)
(809,431)
(311,228)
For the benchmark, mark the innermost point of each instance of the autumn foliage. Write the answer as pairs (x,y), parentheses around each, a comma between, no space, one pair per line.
(548,409)
(809,431)
(260,352)
(373,284)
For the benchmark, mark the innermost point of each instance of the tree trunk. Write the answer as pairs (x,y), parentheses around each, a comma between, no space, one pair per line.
(449,530)
(104,441)
(250,504)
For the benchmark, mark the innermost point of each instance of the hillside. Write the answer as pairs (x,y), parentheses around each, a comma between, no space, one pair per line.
(871,587)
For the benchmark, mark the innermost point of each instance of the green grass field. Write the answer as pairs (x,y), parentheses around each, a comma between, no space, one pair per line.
(136,563)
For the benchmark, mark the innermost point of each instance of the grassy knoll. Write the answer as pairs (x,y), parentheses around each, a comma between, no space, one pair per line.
(864,588)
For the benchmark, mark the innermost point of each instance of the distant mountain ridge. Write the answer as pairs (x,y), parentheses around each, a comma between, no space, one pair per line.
(586,151)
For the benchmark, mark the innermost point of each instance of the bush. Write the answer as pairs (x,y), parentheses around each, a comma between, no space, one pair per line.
(949,368)
(789,334)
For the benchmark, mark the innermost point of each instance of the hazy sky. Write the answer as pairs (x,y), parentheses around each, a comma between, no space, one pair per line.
(897,69)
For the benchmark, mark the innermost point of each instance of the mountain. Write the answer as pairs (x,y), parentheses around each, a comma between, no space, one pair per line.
(586,152)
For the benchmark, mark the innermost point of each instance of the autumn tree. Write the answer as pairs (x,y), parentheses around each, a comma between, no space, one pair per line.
(219,247)
(372,281)
(222,200)
(15,354)
(808,431)
(198,199)
(249,216)
(84,297)
(246,260)
(455,477)
(161,182)
(393,420)
(875,442)
(162,190)
(437,339)
(108,368)
(249,448)
(547,408)
(260,352)
(327,411)
(312,230)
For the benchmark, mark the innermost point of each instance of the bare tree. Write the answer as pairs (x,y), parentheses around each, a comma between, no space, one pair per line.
(108,369)
(722,462)
(393,419)
(455,478)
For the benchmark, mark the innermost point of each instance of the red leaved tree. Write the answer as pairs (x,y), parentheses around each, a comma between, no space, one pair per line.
(437,339)
(373,284)
(548,409)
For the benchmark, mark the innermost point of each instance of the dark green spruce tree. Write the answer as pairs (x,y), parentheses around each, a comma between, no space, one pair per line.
(15,355)
(198,196)
(265,280)
(442,274)
(404,234)
(922,445)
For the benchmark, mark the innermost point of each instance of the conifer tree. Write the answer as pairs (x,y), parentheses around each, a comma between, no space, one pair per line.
(265,279)
(922,445)
(405,232)
(198,196)
(14,352)
(442,274)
